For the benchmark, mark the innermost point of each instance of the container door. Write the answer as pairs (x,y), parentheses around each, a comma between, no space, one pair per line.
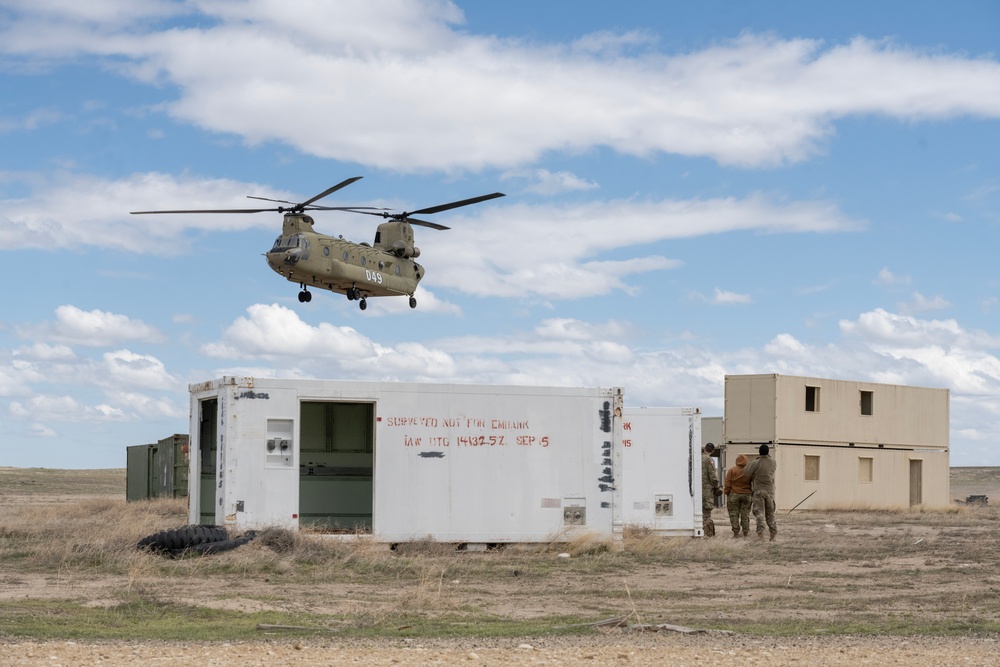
(208,454)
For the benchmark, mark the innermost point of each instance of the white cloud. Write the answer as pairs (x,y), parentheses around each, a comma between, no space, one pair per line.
(45,352)
(41,431)
(274,333)
(63,409)
(73,211)
(552,252)
(940,352)
(919,303)
(887,277)
(564,329)
(755,100)
(724,297)
(94,328)
(149,407)
(15,381)
(34,120)
(545,182)
(123,368)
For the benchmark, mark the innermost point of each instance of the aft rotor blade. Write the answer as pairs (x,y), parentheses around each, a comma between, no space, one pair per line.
(456,204)
(357,209)
(424,223)
(330,191)
(210,210)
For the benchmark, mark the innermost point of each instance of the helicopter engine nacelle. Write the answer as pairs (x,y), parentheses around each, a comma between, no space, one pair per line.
(396,237)
(400,249)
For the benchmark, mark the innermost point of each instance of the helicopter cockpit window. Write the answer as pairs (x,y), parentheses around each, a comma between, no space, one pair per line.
(286,242)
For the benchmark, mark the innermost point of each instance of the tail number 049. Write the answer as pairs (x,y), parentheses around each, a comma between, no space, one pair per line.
(373,276)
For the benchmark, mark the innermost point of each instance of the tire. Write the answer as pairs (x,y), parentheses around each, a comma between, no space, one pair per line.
(206,548)
(175,539)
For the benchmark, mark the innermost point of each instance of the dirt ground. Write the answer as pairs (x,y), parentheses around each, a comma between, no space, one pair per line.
(604,649)
(935,572)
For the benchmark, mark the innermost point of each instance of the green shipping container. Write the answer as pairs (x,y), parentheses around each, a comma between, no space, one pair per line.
(159,470)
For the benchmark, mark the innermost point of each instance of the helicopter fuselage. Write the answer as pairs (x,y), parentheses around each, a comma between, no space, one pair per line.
(359,270)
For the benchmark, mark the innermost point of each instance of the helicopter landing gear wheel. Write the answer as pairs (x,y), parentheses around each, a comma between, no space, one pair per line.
(353,294)
(363,303)
(305,296)
(413,302)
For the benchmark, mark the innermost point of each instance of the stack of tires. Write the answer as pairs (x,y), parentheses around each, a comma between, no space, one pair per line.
(192,539)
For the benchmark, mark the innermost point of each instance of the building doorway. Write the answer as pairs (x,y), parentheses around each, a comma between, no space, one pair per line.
(208,454)
(916,482)
(336,465)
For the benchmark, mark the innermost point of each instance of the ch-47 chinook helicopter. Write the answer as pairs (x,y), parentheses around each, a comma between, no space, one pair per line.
(357,270)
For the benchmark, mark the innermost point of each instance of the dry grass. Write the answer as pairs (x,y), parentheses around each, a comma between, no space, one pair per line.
(908,572)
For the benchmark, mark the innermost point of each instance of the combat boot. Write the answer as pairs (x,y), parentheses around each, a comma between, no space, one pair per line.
(773,536)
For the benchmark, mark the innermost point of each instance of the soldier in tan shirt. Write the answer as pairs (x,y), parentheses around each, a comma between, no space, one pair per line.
(760,472)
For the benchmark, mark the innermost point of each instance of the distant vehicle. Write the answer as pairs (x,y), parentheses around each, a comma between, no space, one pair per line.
(357,270)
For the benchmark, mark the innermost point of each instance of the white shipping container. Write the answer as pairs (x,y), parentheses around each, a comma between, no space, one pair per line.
(453,463)
(660,476)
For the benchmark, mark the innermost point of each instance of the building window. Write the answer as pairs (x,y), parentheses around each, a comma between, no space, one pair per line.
(866,465)
(812,399)
(812,468)
(866,402)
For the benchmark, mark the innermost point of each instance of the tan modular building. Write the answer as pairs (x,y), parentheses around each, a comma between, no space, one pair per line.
(841,444)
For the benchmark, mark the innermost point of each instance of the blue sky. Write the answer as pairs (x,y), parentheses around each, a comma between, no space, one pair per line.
(693,190)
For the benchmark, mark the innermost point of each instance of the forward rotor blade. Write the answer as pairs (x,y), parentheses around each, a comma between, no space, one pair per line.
(277,201)
(210,210)
(424,223)
(342,184)
(456,204)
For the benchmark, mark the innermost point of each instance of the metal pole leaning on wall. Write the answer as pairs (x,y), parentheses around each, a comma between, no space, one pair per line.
(802,501)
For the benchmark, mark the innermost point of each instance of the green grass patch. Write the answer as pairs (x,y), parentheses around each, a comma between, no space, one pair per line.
(858,625)
(140,618)
(151,620)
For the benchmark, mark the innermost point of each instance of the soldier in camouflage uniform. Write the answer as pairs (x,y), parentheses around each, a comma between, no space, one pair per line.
(761,473)
(709,490)
(738,497)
